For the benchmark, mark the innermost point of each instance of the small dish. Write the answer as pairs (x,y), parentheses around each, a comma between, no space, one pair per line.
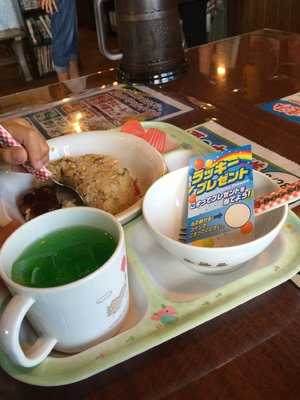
(164,212)
(144,163)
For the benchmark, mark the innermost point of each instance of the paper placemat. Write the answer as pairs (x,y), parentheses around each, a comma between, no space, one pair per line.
(102,108)
(287,107)
(278,168)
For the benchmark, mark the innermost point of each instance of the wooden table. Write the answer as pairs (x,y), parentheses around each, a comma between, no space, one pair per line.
(253,351)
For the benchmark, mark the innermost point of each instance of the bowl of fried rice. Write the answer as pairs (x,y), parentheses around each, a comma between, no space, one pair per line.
(111,170)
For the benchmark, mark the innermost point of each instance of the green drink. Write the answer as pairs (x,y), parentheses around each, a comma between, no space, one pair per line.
(63,256)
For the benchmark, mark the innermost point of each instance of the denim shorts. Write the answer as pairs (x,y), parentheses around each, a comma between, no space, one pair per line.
(65,35)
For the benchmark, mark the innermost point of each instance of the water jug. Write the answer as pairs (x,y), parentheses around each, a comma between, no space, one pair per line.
(150,39)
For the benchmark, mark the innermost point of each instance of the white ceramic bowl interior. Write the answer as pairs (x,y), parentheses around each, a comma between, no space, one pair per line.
(164,210)
(141,159)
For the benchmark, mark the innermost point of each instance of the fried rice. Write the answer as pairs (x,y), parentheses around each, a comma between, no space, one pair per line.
(101,180)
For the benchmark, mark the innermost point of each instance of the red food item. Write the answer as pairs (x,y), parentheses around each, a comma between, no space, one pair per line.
(133,127)
(136,188)
(156,138)
(247,228)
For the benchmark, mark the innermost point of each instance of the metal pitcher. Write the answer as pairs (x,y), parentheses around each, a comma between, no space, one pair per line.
(150,39)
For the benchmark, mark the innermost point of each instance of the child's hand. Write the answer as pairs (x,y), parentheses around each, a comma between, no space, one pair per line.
(34,147)
(49,6)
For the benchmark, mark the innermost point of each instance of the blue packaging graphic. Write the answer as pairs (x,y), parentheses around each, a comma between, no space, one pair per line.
(220,194)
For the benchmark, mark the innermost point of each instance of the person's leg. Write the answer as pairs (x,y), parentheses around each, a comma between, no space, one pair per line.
(58,50)
(64,42)
(72,34)
(73,69)
(62,76)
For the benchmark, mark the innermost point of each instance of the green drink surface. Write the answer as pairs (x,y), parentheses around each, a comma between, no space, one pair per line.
(63,256)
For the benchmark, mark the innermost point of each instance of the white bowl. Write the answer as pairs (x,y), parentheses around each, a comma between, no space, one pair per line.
(164,210)
(141,159)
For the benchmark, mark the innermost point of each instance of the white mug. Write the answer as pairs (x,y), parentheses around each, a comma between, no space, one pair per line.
(72,317)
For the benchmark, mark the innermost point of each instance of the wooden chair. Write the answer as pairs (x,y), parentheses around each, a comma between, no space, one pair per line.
(14,37)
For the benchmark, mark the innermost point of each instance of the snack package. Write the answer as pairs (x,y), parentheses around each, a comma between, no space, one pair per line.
(220,194)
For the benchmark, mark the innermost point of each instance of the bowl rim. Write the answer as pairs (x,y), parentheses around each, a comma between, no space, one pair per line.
(185,246)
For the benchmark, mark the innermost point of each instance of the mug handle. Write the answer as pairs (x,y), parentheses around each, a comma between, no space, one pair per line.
(10,325)
(100,27)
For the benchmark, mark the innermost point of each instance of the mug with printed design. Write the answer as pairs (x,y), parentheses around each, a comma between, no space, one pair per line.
(69,313)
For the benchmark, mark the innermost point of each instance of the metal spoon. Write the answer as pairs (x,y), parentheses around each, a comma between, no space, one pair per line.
(64,192)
